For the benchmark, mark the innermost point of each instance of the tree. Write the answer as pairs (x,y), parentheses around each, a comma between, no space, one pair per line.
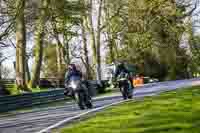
(95,37)
(20,44)
(161,31)
(5,72)
(195,54)
(98,41)
(39,41)
(65,16)
(91,30)
(115,26)
(49,67)
(7,20)
(85,49)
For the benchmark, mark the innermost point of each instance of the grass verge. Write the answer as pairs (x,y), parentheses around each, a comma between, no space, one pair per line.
(14,91)
(172,112)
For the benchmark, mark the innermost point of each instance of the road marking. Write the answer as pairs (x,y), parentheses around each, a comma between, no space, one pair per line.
(48,129)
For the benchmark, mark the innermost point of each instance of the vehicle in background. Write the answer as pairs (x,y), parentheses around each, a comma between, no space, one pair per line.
(150,80)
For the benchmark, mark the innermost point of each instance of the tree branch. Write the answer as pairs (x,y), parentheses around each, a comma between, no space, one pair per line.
(114,15)
(3,59)
(3,45)
(189,13)
(6,31)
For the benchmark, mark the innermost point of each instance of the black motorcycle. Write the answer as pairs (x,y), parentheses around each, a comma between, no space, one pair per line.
(125,86)
(79,92)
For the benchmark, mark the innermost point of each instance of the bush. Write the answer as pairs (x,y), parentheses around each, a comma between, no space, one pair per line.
(13,90)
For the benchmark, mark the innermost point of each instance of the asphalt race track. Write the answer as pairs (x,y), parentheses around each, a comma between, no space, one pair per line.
(36,120)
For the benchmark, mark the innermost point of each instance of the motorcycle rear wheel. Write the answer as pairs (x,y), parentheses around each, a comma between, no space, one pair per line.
(124,95)
(89,105)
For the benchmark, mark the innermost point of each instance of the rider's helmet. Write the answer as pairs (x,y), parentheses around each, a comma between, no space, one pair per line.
(72,67)
(120,63)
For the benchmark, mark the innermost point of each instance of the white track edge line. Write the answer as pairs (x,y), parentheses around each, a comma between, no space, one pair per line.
(46,130)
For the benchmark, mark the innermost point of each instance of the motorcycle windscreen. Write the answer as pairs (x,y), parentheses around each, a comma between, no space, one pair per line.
(75,78)
(74,83)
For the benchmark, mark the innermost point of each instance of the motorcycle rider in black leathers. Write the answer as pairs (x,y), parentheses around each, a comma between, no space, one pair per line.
(120,68)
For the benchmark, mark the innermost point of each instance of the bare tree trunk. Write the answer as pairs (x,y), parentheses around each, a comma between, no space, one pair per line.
(0,65)
(28,76)
(109,33)
(111,50)
(0,70)
(67,57)
(84,26)
(60,51)
(85,49)
(39,40)
(95,38)
(58,47)
(98,56)
(92,33)
(20,45)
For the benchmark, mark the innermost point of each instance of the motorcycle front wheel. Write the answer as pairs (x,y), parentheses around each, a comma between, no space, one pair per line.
(80,100)
(124,94)
(88,101)
(87,98)
(130,97)
(89,105)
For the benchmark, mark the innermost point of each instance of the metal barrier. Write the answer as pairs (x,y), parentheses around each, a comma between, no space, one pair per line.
(43,82)
(8,103)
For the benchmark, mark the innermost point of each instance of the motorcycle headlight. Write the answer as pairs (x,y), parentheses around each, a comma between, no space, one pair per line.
(73,85)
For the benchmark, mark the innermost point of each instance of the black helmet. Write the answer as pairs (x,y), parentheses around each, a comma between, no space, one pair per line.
(72,66)
(120,63)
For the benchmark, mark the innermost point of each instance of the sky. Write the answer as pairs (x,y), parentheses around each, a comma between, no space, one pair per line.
(196,18)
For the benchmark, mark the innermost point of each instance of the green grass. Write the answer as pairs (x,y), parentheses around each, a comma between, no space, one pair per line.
(12,89)
(172,112)
(35,90)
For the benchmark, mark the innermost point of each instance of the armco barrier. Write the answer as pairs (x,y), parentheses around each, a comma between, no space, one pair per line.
(43,83)
(8,103)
